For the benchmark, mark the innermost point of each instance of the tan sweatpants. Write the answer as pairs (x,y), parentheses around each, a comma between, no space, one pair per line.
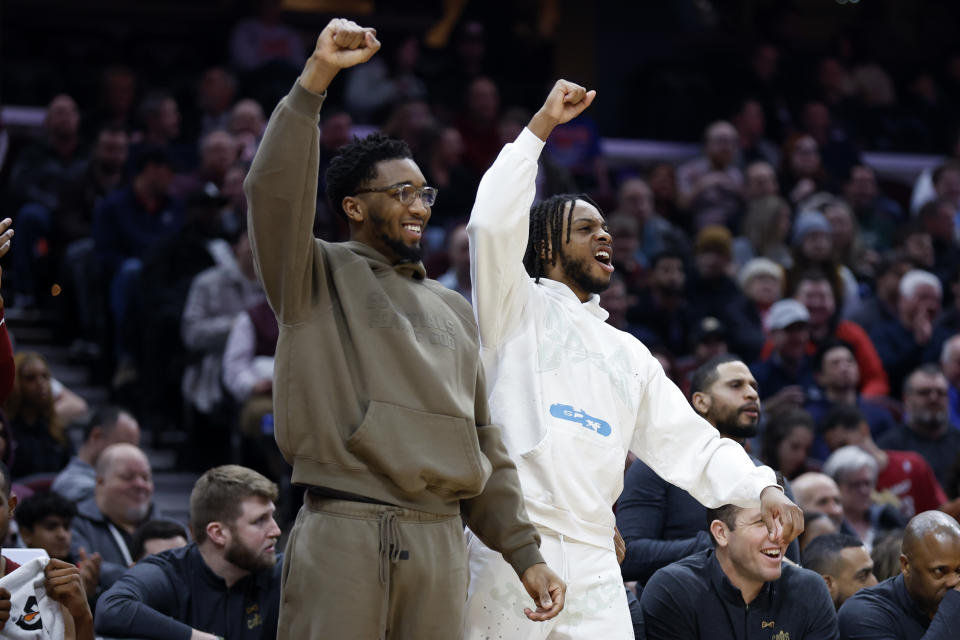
(357,571)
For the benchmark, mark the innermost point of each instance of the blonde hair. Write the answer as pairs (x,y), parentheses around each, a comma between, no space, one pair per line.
(14,403)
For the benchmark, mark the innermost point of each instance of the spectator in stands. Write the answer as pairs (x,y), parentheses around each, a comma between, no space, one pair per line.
(105,523)
(661,523)
(661,310)
(905,474)
(759,181)
(764,231)
(264,40)
(836,151)
(218,152)
(575,146)
(157,536)
(751,125)
(786,442)
(937,218)
(654,233)
(882,306)
(229,576)
(386,80)
(160,117)
(801,174)
(785,374)
(818,492)
(478,123)
(950,365)
(922,603)
(43,168)
(335,131)
(838,380)
(709,340)
(457,277)
(855,472)
(739,584)
(216,91)
(41,443)
(44,521)
(815,524)
(107,426)
(911,338)
(946,182)
(663,183)
(915,242)
(877,215)
(444,168)
(215,298)
(848,249)
(247,123)
(813,251)
(761,280)
(843,563)
(116,99)
(814,291)
(886,555)
(710,286)
(248,376)
(927,424)
(709,186)
(628,260)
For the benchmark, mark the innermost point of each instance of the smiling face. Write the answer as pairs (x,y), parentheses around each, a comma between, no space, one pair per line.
(381,221)
(585,261)
(253,536)
(747,555)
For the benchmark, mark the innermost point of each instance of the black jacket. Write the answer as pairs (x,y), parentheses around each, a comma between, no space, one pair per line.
(887,612)
(165,596)
(693,600)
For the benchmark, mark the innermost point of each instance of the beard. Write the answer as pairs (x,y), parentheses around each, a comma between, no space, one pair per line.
(249,559)
(577,270)
(729,424)
(404,252)
(930,421)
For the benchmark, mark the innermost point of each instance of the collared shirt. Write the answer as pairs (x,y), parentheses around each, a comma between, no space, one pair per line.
(887,612)
(167,595)
(693,599)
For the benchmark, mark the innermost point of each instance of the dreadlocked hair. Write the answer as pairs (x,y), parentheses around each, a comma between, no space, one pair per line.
(356,165)
(545,240)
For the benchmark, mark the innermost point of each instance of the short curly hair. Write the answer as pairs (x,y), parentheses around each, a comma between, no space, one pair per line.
(356,164)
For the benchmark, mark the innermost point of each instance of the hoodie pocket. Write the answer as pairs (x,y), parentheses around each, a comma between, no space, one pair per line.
(418,450)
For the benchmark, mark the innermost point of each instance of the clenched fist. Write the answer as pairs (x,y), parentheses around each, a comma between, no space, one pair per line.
(342,44)
(565,102)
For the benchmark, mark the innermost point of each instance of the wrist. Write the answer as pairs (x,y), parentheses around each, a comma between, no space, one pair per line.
(317,75)
(541,125)
(773,487)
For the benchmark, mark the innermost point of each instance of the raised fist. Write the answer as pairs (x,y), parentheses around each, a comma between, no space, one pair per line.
(344,43)
(565,102)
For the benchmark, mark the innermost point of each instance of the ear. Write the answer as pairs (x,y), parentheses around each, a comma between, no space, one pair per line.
(218,534)
(12,503)
(701,402)
(354,208)
(904,565)
(719,532)
(831,586)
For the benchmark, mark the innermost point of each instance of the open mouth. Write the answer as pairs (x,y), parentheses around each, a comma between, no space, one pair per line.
(603,255)
(773,554)
(413,229)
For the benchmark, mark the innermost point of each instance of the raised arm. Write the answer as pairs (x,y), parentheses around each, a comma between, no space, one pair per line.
(499,223)
(281,186)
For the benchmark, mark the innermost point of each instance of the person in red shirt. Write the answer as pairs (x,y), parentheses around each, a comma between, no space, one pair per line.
(906,474)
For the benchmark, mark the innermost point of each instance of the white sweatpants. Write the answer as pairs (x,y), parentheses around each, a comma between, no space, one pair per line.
(595,605)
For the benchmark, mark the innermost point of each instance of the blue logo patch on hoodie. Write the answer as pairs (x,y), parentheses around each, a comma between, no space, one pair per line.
(567,412)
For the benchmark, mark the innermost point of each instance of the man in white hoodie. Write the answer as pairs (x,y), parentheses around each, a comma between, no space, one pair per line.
(574,395)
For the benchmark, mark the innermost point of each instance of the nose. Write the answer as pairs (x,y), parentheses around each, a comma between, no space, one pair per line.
(604,236)
(417,206)
(953,580)
(274,529)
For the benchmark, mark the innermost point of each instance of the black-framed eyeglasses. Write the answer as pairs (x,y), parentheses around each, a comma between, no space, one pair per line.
(406,193)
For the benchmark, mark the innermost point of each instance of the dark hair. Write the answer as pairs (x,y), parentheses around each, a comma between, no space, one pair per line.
(152,155)
(828,345)
(668,253)
(822,552)
(779,426)
(886,555)
(104,417)
(356,164)
(154,530)
(810,274)
(5,473)
(849,418)
(544,242)
(32,510)
(727,514)
(706,374)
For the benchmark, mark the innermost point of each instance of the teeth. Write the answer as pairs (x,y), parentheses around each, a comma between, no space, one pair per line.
(603,254)
(773,553)
(412,227)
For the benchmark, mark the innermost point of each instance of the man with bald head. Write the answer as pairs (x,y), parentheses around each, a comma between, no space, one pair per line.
(921,603)
(818,492)
(122,501)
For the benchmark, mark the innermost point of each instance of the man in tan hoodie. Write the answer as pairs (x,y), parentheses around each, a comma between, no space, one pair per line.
(379,398)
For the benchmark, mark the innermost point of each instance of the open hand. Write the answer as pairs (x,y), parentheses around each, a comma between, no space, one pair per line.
(547,590)
(564,103)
